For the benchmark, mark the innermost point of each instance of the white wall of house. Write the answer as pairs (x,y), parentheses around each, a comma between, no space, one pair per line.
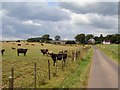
(106,42)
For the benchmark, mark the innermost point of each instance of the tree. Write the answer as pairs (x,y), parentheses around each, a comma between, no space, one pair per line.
(38,39)
(80,38)
(18,41)
(101,37)
(108,37)
(57,38)
(46,36)
(114,38)
(89,36)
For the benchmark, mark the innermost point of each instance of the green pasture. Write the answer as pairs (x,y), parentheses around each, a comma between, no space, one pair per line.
(24,65)
(112,51)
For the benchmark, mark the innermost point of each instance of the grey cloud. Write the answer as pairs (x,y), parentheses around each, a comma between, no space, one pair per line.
(37,11)
(105,8)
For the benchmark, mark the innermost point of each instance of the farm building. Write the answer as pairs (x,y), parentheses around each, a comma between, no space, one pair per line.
(62,42)
(106,42)
(91,41)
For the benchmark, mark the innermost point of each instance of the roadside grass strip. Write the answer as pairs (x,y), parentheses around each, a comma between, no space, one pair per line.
(79,78)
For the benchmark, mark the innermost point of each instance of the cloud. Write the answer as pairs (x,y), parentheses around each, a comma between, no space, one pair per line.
(104,8)
(95,20)
(35,11)
(22,20)
(29,22)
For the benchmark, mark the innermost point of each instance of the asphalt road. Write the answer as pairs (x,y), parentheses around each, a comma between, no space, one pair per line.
(104,72)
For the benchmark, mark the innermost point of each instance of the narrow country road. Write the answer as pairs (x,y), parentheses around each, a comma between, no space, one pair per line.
(104,72)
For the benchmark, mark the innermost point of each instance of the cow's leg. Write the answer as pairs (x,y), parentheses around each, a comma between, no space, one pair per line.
(64,62)
(18,54)
(24,54)
(2,53)
(54,63)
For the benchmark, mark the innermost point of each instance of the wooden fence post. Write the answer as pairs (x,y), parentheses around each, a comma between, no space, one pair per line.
(12,74)
(35,76)
(72,56)
(49,69)
(56,69)
(11,79)
(10,83)
(62,65)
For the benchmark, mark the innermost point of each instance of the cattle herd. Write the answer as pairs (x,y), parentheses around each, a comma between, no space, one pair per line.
(61,55)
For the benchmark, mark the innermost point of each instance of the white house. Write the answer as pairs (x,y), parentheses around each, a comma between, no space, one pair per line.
(106,42)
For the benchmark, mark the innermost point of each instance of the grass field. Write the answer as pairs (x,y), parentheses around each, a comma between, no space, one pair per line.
(24,66)
(111,51)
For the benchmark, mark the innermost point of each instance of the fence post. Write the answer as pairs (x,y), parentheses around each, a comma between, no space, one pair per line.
(12,74)
(72,56)
(35,76)
(56,69)
(62,65)
(10,83)
(11,79)
(49,69)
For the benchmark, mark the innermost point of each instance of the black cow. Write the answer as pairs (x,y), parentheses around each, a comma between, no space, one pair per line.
(44,51)
(19,44)
(2,51)
(42,44)
(21,50)
(56,57)
(13,48)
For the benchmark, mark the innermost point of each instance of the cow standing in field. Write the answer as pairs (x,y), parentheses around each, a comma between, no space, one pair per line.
(44,51)
(19,44)
(2,51)
(26,44)
(61,56)
(21,50)
(33,44)
(13,48)
(42,44)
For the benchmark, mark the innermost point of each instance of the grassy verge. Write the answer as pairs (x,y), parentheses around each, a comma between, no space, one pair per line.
(111,51)
(79,78)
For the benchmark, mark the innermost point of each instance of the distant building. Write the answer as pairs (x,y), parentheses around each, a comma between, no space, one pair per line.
(106,42)
(91,41)
(62,42)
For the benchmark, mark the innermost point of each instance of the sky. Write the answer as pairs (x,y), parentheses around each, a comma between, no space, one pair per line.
(23,20)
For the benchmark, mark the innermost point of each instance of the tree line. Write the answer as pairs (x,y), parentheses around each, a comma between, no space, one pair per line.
(45,38)
(80,38)
(83,39)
